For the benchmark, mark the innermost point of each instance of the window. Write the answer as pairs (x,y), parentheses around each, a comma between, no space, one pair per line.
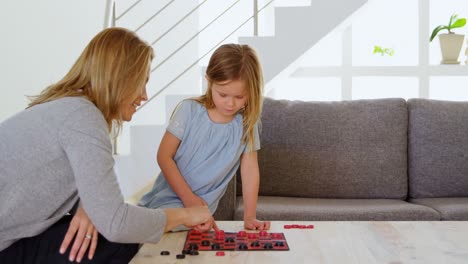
(414,71)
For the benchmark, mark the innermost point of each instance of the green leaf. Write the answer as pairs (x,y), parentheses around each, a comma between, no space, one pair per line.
(383,51)
(459,23)
(377,49)
(436,31)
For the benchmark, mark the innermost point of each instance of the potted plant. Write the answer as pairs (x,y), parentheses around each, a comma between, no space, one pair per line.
(450,43)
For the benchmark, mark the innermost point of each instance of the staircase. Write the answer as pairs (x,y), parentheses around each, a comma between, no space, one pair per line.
(312,23)
(297,29)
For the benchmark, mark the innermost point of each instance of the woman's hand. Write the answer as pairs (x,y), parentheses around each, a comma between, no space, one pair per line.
(256,224)
(82,229)
(200,218)
(205,227)
(197,201)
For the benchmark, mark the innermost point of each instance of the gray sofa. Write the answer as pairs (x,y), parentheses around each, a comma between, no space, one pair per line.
(383,159)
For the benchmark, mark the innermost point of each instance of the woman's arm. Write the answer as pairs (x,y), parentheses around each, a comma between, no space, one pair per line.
(85,141)
(250,184)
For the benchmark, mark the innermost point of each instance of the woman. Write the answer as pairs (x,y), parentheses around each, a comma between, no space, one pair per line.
(56,160)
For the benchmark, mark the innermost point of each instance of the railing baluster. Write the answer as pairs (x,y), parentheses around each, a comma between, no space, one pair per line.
(176,24)
(255,18)
(194,36)
(128,9)
(153,16)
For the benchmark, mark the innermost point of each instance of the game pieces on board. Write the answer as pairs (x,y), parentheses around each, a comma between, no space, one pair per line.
(242,240)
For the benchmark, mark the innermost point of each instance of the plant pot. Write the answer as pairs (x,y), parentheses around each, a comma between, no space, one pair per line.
(466,52)
(450,45)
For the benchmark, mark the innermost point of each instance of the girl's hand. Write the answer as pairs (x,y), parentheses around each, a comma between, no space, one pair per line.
(253,224)
(82,229)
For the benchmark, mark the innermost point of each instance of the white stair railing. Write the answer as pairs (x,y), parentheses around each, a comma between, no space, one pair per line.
(111,19)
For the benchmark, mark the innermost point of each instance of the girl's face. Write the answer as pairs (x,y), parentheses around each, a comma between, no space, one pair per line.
(129,105)
(229,97)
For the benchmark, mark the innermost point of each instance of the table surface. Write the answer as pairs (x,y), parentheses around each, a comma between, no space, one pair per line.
(334,242)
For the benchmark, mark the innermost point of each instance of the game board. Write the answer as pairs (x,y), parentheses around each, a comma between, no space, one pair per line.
(242,240)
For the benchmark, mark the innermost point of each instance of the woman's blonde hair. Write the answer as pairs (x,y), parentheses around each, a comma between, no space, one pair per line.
(232,62)
(113,67)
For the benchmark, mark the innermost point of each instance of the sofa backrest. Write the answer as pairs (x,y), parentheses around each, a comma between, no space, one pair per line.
(438,148)
(348,149)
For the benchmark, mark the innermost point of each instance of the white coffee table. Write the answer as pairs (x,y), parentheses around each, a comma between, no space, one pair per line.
(335,243)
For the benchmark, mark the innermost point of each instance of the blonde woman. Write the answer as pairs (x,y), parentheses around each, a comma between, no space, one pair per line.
(209,137)
(56,160)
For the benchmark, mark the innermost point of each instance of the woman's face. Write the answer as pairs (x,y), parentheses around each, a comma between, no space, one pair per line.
(129,105)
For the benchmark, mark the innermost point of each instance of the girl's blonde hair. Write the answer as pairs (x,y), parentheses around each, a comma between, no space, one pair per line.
(232,62)
(113,67)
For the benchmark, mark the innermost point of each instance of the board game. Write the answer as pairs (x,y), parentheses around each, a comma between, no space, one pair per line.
(242,240)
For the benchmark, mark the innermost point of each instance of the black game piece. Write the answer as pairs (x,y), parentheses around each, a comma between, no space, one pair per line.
(230,240)
(180,256)
(194,253)
(186,251)
(268,246)
(279,244)
(193,246)
(215,246)
(243,246)
(165,253)
(255,244)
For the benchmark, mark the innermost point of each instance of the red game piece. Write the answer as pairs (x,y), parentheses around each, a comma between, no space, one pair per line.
(219,236)
(219,253)
(241,234)
(275,235)
(263,233)
(298,226)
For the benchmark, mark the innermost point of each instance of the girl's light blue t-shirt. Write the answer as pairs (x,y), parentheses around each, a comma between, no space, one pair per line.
(208,156)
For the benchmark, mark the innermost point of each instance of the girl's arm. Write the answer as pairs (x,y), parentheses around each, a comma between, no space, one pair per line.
(166,152)
(165,157)
(250,183)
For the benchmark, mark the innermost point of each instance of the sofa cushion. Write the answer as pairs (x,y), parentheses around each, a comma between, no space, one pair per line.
(452,209)
(310,209)
(349,149)
(438,148)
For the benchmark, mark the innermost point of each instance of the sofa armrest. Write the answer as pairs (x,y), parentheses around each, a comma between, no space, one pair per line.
(227,204)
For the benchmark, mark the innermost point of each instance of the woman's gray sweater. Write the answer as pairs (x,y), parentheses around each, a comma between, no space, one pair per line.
(55,153)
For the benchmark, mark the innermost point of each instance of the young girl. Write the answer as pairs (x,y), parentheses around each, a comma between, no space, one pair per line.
(209,137)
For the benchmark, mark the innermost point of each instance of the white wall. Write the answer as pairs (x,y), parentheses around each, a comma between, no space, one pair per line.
(40,42)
